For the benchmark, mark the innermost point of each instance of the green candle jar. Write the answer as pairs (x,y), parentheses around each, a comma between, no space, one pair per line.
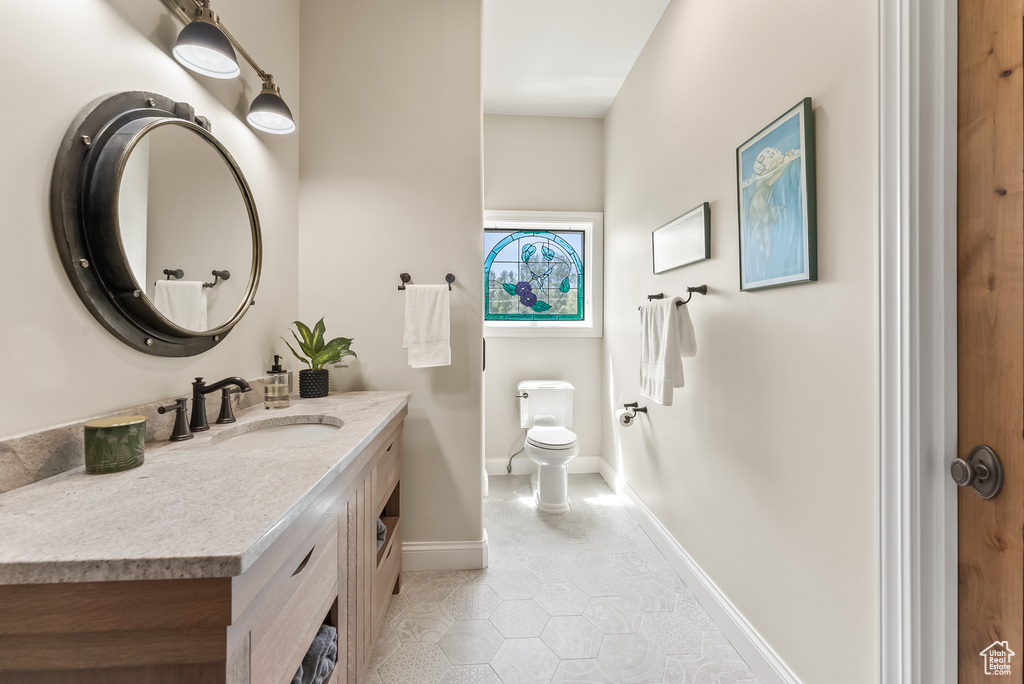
(114,444)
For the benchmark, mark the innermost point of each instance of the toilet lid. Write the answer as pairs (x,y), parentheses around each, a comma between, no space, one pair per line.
(551,436)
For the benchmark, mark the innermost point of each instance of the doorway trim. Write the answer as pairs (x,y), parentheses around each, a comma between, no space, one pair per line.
(917,344)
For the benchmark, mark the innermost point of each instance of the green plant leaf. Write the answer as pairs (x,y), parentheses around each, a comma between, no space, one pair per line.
(541,307)
(509,288)
(343,341)
(335,358)
(318,336)
(303,347)
(332,352)
(300,358)
(307,336)
(564,287)
(317,352)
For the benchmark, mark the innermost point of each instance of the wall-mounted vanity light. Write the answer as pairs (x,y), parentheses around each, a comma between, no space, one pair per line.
(206,47)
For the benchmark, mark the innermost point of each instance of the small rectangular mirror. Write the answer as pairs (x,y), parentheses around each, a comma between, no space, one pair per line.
(683,240)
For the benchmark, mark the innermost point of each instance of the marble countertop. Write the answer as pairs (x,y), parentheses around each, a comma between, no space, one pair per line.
(193,509)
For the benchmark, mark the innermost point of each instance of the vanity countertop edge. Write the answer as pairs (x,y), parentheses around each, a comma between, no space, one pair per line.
(193,509)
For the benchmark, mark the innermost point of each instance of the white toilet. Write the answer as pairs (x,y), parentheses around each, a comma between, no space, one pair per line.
(545,407)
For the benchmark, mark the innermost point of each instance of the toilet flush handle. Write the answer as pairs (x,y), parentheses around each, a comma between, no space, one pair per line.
(524,395)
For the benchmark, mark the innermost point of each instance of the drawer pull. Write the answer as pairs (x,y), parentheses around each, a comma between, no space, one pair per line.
(389,446)
(302,565)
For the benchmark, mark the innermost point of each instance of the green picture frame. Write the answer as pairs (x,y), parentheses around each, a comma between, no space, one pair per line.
(776,194)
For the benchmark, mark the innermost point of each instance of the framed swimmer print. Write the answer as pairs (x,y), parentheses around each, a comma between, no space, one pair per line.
(778,231)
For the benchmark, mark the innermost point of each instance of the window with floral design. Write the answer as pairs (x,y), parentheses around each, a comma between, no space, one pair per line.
(537,276)
(534,275)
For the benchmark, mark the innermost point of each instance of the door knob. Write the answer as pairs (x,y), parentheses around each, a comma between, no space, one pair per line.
(981,470)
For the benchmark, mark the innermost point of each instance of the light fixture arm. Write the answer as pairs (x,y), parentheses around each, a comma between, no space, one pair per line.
(238,46)
(183,15)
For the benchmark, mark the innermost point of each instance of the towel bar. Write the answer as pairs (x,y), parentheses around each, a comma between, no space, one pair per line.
(178,274)
(406,278)
(700,289)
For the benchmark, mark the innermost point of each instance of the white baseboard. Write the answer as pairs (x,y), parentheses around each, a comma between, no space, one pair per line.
(760,657)
(522,465)
(454,555)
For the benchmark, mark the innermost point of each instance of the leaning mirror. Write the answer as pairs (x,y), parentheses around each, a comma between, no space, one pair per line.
(155,224)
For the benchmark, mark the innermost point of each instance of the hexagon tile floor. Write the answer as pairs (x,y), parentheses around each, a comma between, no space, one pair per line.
(580,597)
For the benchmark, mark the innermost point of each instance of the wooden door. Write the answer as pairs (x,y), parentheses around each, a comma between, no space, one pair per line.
(990,263)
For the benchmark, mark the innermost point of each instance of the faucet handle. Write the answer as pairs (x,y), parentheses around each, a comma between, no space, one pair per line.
(227,412)
(181,430)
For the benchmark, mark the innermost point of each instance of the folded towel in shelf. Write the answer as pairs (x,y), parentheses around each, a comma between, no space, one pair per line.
(320,659)
(427,326)
(382,533)
(666,336)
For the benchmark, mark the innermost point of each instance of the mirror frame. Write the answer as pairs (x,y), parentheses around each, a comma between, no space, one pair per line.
(84,197)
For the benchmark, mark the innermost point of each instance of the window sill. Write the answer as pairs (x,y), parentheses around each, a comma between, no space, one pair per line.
(538,329)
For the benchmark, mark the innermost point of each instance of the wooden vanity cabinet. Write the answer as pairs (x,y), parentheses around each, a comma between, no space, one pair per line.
(250,629)
(374,575)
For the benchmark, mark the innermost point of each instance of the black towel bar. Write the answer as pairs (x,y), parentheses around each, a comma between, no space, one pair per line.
(700,289)
(406,278)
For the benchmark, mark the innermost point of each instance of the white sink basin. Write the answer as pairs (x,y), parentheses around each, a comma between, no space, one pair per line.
(277,432)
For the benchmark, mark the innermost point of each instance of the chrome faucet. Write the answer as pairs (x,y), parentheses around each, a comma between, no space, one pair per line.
(199,391)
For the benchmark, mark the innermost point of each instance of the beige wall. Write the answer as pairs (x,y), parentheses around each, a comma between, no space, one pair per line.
(765,468)
(61,365)
(391,168)
(543,163)
(539,163)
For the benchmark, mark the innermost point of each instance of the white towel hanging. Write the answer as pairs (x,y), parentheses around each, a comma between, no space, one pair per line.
(427,326)
(182,302)
(666,336)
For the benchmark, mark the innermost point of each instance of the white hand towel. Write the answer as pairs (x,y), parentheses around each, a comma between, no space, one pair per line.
(427,326)
(182,302)
(666,336)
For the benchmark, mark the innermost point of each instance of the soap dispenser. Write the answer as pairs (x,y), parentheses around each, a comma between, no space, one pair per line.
(277,387)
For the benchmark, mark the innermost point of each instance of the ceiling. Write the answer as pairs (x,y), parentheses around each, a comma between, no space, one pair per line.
(561,57)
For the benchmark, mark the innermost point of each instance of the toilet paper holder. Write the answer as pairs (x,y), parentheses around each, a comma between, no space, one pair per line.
(635,408)
(627,414)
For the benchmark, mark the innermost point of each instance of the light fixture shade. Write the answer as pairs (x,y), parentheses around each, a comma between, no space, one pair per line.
(269,113)
(203,48)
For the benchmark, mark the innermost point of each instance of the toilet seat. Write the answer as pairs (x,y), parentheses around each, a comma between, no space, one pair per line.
(554,437)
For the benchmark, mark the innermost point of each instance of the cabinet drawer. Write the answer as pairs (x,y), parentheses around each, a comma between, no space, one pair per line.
(385,576)
(386,471)
(294,603)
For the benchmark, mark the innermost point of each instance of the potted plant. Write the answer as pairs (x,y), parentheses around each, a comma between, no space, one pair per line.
(315,380)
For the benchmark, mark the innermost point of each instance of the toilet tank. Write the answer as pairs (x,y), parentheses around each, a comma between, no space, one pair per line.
(545,398)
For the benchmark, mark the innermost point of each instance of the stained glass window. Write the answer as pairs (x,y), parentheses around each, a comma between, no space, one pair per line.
(534,275)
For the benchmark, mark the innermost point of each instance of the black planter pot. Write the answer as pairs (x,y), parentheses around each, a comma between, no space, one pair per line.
(314,383)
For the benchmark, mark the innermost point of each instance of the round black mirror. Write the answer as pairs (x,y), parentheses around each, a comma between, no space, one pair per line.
(155,224)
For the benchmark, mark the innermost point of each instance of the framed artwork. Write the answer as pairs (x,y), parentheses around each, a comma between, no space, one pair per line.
(775,173)
(683,240)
